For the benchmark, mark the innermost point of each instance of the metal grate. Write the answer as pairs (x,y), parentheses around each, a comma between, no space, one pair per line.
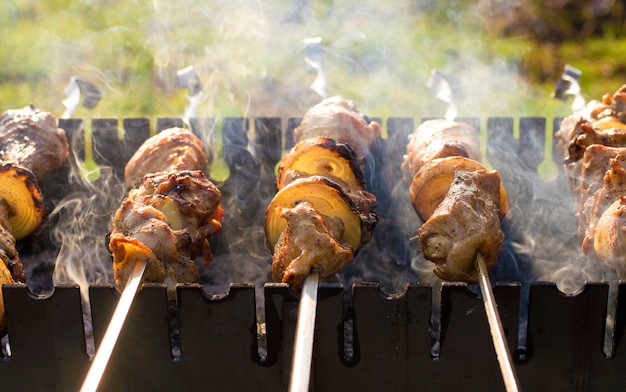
(389,338)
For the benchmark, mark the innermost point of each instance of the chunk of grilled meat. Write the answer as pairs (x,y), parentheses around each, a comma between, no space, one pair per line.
(464,223)
(609,240)
(171,149)
(599,122)
(430,184)
(166,221)
(5,278)
(347,220)
(613,189)
(30,137)
(438,139)
(339,119)
(310,241)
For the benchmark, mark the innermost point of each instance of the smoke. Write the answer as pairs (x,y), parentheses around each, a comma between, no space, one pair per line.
(83,219)
(251,59)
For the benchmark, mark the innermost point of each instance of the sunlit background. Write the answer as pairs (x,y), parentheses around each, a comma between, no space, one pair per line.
(249,54)
(502,58)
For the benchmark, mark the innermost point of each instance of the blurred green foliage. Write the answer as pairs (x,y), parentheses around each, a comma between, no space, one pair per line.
(250,55)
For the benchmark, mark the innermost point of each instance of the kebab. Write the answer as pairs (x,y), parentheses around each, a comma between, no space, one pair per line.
(170,213)
(593,144)
(321,215)
(459,200)
(161,227)
(31,147)
(461,203)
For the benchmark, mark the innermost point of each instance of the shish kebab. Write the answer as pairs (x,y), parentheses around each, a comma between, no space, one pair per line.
(31,147)
(161,227)
(321,215)
(461,203)
(593,143)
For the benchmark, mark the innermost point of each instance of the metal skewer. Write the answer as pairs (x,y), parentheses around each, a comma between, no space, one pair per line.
(495,326)
(305,327)
(113,330)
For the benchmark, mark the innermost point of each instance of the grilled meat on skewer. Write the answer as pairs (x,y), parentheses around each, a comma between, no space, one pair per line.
(593,144)
(322,215)
(171,149)
(31,147)
(169,218)
(339,119)
(464,223)
(609,237)
(31,138)
(172,214)
(459,200)
(439,139)
(309,240)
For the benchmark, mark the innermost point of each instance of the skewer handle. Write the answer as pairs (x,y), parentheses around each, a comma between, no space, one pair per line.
(305,327)
(495,326)
(113,330)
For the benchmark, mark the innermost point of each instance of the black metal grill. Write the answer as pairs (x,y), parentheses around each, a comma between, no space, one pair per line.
(387,346)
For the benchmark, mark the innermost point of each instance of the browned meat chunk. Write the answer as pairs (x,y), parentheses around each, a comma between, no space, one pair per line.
(30,138)
(460,201)
(341,120)
(170,149)
(439,139)
(464,223)
(310,241)
(610,236)
(167,221)
(614,187)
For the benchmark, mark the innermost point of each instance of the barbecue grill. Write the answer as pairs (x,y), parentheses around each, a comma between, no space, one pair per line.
(368,340)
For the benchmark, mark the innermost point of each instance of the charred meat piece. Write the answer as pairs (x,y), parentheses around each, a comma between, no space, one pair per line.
(31,147)
(170,149)
(339,119)
(166,221)
(600,122)
(464,223)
